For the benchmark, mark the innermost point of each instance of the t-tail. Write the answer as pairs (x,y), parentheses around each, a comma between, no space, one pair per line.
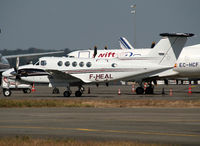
(168,49)
(124,43)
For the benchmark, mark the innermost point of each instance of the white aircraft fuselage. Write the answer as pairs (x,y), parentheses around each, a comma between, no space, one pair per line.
(187,65)
(87,70)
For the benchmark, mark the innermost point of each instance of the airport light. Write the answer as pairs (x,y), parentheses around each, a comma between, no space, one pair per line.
(133,11)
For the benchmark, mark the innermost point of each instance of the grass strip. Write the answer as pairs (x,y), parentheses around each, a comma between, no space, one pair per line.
(28,141)
(98,103)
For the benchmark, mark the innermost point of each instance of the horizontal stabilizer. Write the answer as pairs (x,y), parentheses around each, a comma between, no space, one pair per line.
(176,34)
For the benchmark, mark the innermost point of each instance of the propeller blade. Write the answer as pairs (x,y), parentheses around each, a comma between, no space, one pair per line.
(15,69)
(17,63)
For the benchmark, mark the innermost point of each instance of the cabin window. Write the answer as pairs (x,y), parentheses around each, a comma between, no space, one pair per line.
(114,65)
(89,64)
(81,64)
(60,63)
(43,63)
(67,63)
(74,64)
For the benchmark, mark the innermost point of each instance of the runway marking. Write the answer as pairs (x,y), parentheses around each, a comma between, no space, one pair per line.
(105,131)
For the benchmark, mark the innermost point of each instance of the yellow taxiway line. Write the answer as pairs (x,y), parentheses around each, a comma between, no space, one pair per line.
(103,131)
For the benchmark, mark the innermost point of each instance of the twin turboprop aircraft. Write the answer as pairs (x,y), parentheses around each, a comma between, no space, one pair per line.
(66,71)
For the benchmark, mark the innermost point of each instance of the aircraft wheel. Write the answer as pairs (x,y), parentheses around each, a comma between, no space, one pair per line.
(78,93)
(149,90)
(7,92)
(139,90)
(56,91)
(67,94)
(28,91)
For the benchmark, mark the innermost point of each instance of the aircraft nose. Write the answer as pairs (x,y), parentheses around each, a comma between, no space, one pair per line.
(8,73)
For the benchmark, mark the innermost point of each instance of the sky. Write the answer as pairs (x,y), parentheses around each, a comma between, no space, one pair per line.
(82,24)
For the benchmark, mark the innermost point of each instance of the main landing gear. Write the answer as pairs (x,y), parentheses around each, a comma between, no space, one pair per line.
(55,91)
(78,93)
(148,90)
(68,92)
(139,90)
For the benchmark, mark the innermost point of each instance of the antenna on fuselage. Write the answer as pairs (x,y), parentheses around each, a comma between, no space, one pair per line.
(153,44)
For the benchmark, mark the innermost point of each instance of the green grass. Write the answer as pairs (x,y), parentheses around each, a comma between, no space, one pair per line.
(40,103)
(98,103)
(28,141)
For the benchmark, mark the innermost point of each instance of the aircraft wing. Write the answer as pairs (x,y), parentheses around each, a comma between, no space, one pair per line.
(2,70)
(59,75)
(33,54)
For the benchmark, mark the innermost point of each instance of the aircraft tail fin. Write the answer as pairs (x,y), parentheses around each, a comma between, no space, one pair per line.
(168,49)
(124,43)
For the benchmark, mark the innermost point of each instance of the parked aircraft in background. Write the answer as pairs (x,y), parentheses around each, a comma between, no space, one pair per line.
(126,51)
(124,43)
(4,64)
(66,71)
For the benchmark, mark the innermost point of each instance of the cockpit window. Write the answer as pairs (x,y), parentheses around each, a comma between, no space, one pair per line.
(37,63)
(43,63)
(60,63)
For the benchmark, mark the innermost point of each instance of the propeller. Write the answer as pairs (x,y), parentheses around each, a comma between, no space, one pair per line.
(16,69)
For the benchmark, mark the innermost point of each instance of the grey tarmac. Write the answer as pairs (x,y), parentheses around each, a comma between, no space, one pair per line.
(162,125)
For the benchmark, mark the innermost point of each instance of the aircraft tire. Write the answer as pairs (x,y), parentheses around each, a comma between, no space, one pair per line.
(7,92)
(139,90)
(27,91)
(78,93)
(149,90)
(56,91)
(66,94)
